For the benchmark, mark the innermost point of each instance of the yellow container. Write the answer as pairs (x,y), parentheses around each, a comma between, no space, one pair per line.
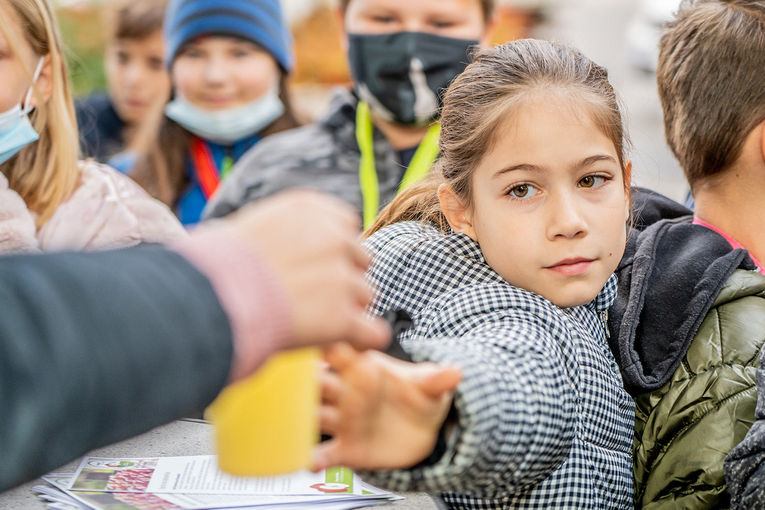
(267,424)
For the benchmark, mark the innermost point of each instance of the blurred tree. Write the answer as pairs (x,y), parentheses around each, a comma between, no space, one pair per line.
(83,34)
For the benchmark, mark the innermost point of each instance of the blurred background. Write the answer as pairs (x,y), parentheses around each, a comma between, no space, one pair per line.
(621,35)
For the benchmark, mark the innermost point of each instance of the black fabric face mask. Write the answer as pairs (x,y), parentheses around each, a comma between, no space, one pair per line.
(403,75)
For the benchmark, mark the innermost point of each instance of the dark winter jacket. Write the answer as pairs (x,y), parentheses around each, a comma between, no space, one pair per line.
(100,127)
(686,328)
(91,355)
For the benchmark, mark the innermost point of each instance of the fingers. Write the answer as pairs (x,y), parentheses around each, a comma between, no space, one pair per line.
(442,379)
(365,332)
(326,455)
(362,291)
(360,255)
(331,387)
(340,356)
(329,420)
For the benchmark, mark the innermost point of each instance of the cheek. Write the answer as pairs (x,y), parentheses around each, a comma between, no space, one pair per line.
(158,81)
(255,77)
(113,72)
(187,83)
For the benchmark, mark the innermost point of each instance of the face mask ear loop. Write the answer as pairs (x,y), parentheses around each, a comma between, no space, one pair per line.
(25,108)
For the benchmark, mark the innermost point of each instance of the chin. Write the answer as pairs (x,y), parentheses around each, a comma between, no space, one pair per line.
(576,297)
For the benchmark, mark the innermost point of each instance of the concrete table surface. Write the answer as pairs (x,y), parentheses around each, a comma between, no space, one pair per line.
(174,439)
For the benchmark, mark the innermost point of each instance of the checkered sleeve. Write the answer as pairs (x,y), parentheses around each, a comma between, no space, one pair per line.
(515,406)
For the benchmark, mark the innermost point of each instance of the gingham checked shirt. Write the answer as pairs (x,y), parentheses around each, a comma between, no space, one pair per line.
(544,421)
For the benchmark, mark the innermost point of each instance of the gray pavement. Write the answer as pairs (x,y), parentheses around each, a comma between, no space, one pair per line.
(598,28)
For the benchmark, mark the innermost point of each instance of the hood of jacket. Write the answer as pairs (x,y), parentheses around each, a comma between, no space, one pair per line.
(671,273)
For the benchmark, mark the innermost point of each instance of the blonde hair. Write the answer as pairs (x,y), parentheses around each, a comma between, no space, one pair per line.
(44,173)
(480,99)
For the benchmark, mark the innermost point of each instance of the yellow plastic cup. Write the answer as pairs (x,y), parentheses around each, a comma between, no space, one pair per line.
(267,424)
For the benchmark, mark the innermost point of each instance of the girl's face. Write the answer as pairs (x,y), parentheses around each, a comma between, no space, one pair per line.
(549,203)
(15,69)
(461,19)
(137,76)
(218,72)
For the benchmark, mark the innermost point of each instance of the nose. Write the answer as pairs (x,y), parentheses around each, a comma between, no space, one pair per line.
(566,218)
(133,75)
(414,23)
(215,72)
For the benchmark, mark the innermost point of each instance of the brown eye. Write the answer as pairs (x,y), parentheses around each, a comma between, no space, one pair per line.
(520,191)
(523,191)
(592,181)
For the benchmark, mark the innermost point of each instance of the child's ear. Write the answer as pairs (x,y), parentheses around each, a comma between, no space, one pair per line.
(762,139)
(43,87)
(457,214)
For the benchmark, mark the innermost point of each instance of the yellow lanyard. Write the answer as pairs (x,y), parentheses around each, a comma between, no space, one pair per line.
(423,159)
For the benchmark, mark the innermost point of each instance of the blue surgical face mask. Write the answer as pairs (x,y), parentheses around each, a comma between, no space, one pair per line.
(228,125)
(16,130)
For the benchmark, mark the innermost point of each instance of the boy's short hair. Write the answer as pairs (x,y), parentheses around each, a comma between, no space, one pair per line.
(711,78)
(135,19)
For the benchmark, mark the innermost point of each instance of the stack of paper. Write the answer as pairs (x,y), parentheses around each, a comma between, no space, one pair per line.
(196,483)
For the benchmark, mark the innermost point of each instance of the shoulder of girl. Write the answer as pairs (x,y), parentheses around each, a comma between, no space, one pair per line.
(402,235)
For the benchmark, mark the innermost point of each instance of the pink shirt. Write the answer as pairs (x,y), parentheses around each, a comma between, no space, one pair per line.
(733,243)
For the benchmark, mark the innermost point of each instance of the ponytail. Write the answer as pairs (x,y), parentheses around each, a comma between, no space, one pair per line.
(418,202)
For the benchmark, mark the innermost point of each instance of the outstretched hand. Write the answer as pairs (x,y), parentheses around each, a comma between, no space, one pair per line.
(382,413)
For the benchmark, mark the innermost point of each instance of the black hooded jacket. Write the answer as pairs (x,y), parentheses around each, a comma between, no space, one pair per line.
(671,273)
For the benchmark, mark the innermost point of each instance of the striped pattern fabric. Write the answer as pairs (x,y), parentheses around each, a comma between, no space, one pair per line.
(259,21)
(543,419)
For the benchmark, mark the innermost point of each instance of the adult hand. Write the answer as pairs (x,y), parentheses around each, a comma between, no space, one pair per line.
(310,241)
(383,413)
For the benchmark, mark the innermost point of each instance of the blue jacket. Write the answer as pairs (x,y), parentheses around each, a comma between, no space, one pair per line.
(191,202)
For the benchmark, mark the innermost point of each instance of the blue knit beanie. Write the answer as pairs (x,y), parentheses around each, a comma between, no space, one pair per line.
(259,21)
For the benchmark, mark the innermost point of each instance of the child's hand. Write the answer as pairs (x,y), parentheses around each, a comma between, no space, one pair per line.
(383,413)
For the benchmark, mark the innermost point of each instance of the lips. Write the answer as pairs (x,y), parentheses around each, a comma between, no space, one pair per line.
(571,266)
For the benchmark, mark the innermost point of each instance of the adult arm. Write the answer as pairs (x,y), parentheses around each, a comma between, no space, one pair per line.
(99,347)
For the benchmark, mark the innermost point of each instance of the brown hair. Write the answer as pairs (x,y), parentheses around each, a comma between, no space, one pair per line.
(487,6)
(479,100)
(711,78)
(163,145)
(44,173)
(134,19)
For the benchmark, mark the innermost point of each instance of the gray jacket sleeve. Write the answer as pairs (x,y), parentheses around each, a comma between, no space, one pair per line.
(745,464)
(99,347)
(514,407)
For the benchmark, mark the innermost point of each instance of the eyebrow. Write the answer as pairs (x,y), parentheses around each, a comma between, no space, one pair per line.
(588,161)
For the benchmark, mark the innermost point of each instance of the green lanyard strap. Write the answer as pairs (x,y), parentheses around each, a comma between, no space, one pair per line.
(423,159)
